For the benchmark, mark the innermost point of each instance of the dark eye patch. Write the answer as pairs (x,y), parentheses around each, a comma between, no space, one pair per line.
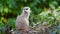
(26,8)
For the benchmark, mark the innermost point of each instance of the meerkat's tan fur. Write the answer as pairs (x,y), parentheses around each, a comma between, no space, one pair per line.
(22,21)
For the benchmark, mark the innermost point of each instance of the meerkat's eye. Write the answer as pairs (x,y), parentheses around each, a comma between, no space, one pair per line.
(27,9)
(23,9)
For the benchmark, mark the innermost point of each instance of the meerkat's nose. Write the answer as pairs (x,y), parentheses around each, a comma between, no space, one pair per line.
(25,11)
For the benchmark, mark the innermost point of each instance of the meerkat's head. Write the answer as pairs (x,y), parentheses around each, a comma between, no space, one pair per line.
(26,9)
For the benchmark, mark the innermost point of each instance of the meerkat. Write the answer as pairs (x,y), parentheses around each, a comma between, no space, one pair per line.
(22,21)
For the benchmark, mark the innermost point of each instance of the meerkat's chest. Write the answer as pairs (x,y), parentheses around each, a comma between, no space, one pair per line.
(23,21)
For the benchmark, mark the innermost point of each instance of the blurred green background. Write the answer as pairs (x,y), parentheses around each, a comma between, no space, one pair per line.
(43,12)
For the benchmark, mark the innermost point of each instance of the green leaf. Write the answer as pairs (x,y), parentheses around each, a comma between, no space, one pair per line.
(11,22)
(6,10)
